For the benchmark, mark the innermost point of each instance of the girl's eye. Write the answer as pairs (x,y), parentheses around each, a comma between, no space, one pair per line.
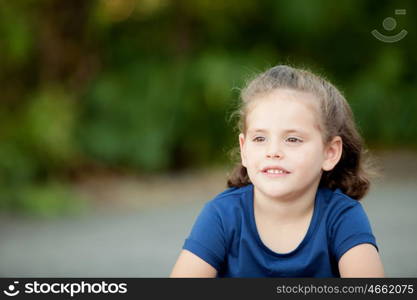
(259,139)
(294,140)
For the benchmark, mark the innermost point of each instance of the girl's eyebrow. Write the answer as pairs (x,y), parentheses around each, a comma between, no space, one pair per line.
(258,130)
(290,130)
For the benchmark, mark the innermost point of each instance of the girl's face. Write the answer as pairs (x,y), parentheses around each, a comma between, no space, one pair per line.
(283,148)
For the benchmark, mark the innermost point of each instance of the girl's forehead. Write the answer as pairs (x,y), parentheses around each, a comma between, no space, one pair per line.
(284,107)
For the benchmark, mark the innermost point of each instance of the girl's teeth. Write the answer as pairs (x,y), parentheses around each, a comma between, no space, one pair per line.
(275,171)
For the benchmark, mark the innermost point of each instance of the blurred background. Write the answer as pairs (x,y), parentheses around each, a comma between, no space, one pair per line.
(115,129)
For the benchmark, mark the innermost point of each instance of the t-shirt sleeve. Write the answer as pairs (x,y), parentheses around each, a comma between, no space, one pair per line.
(350,229)
(207,239)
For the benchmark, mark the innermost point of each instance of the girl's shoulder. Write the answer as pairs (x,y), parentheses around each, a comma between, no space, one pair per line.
(233,191)
(336,198)
(232,197)
(336,206)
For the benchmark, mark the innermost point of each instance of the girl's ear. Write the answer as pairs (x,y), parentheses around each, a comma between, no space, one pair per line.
(242,150)
(332,153)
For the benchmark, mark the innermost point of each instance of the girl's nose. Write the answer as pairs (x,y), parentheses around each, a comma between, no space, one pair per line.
(274,155)
(274,152)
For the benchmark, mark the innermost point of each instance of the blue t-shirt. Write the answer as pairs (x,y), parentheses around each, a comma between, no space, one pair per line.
(225,236)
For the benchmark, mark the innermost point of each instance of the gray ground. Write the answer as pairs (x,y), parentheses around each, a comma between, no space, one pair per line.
(138,226)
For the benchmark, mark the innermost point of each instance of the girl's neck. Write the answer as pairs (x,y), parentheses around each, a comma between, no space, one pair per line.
(287,210)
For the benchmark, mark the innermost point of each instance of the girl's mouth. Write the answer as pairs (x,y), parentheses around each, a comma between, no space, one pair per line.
(275,172)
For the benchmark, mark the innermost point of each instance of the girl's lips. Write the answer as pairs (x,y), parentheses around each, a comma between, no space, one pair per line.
(274,171)
(274,168)
(273,175)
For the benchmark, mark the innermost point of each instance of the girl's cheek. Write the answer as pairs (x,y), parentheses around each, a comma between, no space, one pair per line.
(300,158)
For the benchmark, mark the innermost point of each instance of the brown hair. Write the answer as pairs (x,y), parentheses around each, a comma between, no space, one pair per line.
(354,169)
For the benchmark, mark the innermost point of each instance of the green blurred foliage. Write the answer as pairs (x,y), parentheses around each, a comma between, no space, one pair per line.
(148,85)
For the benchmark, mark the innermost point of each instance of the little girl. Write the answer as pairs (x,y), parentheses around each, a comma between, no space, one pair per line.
(291,209)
